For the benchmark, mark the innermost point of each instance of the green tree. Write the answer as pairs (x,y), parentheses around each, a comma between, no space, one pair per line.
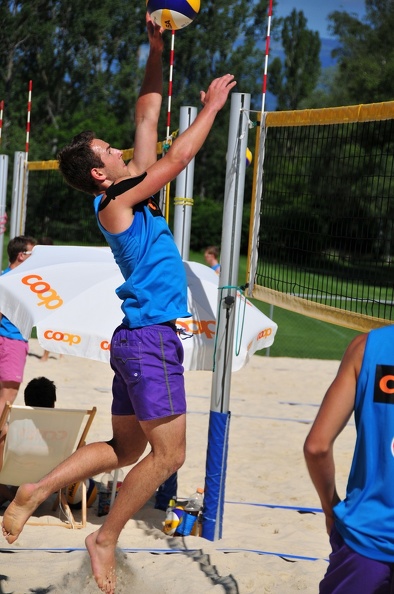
(78,55)
(295,79)
(86,63)
(365,53)
(227,36)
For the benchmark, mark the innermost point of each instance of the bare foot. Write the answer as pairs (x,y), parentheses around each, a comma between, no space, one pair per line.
(103,563)
(18,512)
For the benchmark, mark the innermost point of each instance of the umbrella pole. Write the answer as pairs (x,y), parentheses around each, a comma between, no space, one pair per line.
(3,202)
(219,420)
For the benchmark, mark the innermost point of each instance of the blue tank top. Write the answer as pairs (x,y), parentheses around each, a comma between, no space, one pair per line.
(365,518)
(155,287)
(7,328)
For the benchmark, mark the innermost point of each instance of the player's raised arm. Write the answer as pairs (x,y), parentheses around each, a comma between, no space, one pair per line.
(185,147)
(147,109)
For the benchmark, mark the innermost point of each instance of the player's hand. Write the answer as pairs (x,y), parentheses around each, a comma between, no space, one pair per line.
(218,91)
(154,34)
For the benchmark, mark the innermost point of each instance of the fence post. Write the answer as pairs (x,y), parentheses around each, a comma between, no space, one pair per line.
(19,195)
(183,201)
(3,198)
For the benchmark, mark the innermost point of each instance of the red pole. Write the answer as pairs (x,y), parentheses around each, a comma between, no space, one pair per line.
(166,190)
(267,50)
(170,83)
(28,119)
(1,117)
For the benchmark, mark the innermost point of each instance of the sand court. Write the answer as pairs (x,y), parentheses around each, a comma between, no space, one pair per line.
(274,537)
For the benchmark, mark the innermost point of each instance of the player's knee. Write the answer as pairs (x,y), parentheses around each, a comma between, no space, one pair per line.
(111,443)
(178,460)
(129,455)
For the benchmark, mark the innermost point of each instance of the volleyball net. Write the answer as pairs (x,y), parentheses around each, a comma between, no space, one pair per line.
(321,236)
(321,239)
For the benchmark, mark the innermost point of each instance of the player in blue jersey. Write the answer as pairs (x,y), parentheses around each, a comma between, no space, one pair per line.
(149,402)
(361,526)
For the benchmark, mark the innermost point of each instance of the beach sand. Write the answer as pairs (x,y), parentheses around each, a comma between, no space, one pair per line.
(274,538)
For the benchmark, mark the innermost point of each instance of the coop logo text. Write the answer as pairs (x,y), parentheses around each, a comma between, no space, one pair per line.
(384,384)
(62,337)
(207,327)
(45,294)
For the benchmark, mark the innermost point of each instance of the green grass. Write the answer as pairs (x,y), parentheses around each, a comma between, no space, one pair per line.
(306,338)
(319,282)
(4,259)
(297,336)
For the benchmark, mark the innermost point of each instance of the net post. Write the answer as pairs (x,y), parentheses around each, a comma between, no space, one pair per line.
(219,420)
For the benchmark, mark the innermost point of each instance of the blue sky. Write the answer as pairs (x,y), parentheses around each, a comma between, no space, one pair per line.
(316,11)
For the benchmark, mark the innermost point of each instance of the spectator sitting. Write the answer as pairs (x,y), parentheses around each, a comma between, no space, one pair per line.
(40,391)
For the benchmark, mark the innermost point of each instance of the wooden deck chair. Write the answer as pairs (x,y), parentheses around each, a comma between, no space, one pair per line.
(37,440)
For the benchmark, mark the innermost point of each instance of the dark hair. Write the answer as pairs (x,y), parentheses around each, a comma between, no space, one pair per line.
(40,391)
(77,159)
(17,245)
(212,249)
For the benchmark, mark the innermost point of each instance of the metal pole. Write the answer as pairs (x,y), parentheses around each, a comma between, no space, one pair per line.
(19,195)
(219,418)
(230,248)
(3,198)
(183,201)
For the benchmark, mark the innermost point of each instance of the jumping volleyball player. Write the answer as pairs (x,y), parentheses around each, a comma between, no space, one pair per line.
(146,354)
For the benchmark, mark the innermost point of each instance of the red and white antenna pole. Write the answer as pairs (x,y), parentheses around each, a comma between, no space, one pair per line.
(267,51)
(1,117)
(165,194)
(3,214)
(28,119)
(258,171)
(170,83)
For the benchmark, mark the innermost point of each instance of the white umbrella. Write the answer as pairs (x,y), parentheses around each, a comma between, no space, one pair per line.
(68,294)
(253,329)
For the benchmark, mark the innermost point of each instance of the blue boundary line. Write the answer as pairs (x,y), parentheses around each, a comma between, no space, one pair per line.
(274,506)
(166,552)
(242,416)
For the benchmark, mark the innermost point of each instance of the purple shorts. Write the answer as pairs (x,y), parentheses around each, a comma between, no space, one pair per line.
(13,355)
(352,573)
(148,381)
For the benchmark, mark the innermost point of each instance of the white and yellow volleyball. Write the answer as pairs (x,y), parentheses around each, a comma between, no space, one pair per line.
(173,14)
(74,494)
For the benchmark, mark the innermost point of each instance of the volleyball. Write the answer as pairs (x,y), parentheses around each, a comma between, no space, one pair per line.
(172,521)
(173,14)
(74,494)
